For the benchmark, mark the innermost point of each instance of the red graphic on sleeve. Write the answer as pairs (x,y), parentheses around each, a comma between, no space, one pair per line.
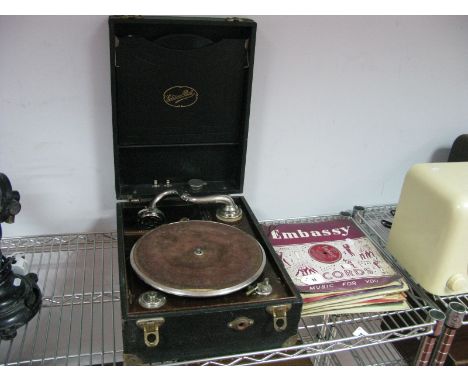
(325,253)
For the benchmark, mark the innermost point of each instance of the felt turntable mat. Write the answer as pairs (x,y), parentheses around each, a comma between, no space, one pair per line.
(197,258)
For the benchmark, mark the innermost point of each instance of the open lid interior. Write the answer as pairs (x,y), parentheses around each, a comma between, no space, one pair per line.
(180,98)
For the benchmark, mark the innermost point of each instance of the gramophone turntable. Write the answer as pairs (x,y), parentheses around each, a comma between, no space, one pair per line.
(198,277)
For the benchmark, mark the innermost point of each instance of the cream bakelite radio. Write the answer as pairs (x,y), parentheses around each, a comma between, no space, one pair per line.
(429,235)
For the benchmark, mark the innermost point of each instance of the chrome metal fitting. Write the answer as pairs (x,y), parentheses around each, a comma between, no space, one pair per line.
(229,212)
(152,216)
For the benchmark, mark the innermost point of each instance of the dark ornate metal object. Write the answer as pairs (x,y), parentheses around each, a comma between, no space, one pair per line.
(20,297)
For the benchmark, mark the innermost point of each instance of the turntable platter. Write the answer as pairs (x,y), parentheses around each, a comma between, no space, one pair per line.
(197,258)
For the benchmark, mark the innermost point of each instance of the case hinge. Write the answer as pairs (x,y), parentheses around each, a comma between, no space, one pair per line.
(237,19)
(151,330)
(279,313)
(131,199)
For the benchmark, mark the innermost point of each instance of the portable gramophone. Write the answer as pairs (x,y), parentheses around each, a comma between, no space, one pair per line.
(20,297)
(198,277)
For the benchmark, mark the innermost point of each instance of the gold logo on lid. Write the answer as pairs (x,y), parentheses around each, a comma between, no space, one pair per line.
(180,96)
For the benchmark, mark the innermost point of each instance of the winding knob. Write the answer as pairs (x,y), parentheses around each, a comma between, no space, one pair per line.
(457,283)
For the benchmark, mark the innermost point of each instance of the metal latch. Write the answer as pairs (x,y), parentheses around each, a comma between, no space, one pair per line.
(150,328)
(279,313)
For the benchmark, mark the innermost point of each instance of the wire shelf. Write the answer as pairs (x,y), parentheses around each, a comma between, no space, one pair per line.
(370,219)
(379,355)
(80,320)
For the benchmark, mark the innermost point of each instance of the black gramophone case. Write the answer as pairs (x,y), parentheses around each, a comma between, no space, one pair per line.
(180,102)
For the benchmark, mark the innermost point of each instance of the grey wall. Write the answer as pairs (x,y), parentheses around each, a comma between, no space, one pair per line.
(341,108)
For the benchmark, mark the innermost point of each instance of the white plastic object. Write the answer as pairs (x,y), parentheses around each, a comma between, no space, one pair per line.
(21,266)
(429,235)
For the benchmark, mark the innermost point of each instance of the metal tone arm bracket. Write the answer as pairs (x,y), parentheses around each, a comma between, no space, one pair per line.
(229,212)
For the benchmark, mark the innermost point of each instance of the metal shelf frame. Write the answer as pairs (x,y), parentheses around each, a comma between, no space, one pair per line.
(79,322)
(455,306)
(370,221)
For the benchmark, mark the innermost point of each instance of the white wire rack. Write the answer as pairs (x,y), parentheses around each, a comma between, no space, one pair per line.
(379,355)
(371,222)
(79,322)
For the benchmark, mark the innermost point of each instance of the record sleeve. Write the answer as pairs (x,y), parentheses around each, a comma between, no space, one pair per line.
(330,256)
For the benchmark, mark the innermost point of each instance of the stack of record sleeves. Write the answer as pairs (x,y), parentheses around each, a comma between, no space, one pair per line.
(336,268)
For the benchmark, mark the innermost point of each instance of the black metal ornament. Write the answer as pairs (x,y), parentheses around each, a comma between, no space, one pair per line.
(20,296)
